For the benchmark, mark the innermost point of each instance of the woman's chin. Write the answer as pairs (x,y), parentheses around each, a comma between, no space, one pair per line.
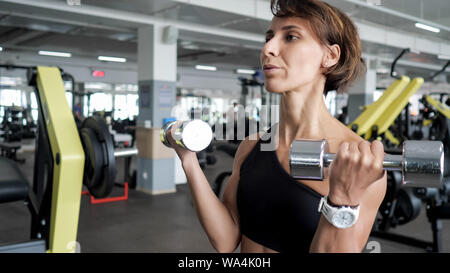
(273,88)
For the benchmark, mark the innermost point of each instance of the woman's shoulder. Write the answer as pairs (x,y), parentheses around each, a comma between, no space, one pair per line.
(344,134)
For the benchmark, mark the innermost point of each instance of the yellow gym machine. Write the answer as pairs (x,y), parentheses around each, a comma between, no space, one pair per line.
(386,120)
(376,119)
(363,124)
(439,122)
(66,158)
(438,106)
(437,117)
(435,114)
(400,205)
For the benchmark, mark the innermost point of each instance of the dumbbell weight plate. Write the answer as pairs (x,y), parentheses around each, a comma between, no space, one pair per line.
(306,159)
(164,130)
(194,135)
(423,163)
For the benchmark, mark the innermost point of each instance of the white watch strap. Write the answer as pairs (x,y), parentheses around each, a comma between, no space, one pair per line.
(329,211)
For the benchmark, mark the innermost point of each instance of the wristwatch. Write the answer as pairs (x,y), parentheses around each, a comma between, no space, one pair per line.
(339,216)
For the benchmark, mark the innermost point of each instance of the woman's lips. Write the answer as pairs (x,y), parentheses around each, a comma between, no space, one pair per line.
(270,69)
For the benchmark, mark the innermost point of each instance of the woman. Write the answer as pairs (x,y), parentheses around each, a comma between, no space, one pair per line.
(310,48)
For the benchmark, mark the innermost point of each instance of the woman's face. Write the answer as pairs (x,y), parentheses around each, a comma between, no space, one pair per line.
(292,56)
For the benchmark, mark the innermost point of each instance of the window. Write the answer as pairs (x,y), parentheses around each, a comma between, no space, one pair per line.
(377,94)
(125,106)
(97,86)
(69,96)
(133,105)
(11,81)
(330,102)
(126,87)
(120,105)
(217,109)
(33,100)
(10,97)
(100,102)
(34,106)
(24,99)
(85,107)
(68,85)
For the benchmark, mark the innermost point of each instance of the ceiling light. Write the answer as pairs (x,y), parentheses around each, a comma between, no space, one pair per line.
(374,2)
(55,54)
(383,70)
(444,57)
(427,27)
(191,47)
(112,59)
(245,71)
(1,48)
(205,67)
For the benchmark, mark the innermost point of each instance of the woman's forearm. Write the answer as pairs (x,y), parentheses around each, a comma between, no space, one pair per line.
(328,238)
(213,215)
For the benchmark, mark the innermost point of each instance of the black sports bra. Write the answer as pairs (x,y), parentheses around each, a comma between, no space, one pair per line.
(275,210)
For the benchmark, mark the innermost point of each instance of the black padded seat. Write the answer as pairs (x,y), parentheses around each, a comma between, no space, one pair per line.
(13,184)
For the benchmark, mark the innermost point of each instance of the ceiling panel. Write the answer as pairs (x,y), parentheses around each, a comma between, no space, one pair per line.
(433,10)
(193,47)
(408,7)
(32,12)
(141,6)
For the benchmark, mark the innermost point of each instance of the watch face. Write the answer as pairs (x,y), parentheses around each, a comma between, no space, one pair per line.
(343,218)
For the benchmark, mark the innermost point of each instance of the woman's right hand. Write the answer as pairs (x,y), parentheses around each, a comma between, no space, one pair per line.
(184,154)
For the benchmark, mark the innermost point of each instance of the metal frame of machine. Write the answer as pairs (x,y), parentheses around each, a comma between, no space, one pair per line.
(54,198)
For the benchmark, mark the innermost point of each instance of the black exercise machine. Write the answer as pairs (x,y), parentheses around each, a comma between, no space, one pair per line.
(66,158)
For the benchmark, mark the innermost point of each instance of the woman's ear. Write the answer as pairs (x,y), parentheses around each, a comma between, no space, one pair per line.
(332,56)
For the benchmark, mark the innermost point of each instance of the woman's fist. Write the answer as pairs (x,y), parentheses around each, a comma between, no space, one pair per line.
(355,167)
(183,154)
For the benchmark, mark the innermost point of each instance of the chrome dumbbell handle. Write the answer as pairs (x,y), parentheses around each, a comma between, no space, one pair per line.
(390,162)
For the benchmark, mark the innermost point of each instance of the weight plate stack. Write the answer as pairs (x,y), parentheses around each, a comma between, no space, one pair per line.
(100,165)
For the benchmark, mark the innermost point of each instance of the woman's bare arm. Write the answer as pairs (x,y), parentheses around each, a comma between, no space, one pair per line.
(328,238)
(356,177)
(219,219)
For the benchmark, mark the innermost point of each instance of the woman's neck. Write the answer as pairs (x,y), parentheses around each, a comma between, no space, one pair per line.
(304,115)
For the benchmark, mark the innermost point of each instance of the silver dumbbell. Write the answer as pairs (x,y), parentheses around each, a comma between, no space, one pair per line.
(194,135)
(421,163)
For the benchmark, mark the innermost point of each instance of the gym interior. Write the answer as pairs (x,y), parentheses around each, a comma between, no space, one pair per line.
(88,87)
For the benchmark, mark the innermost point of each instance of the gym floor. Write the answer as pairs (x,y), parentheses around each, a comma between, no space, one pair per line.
(162,223)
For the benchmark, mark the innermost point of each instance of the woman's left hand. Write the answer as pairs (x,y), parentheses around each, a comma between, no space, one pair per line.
(355,167)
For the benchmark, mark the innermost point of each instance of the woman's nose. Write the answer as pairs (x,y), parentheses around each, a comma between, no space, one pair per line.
(271,48)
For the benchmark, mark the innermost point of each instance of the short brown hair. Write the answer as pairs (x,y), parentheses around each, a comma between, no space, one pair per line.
(331,26)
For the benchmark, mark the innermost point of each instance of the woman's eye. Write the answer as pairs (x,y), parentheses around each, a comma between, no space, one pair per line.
(291,37)
(267,39)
